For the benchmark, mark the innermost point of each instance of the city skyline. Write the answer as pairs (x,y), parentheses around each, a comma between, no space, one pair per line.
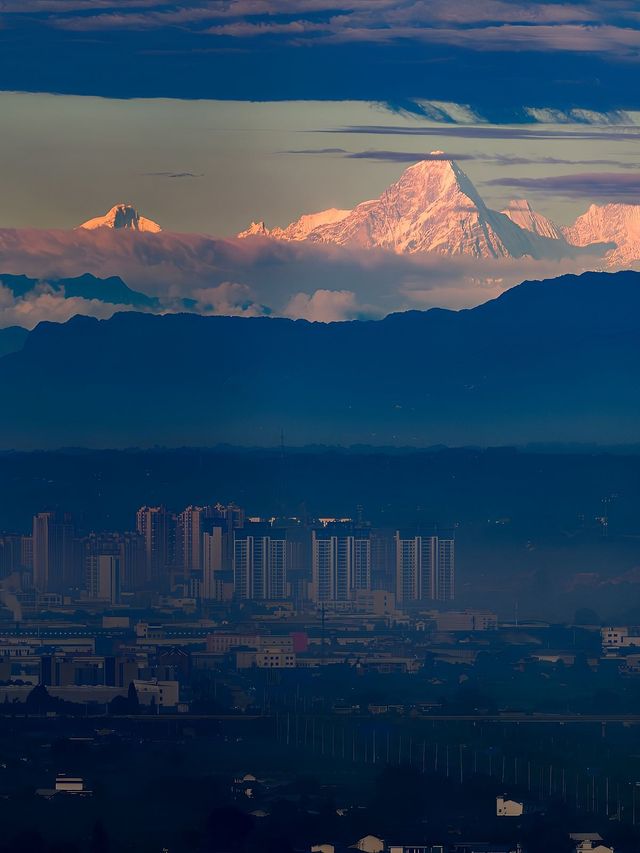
(215,553)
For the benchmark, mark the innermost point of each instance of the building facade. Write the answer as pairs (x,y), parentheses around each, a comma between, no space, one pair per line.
(260,563)
(52,542)
(425,567)
(341,562)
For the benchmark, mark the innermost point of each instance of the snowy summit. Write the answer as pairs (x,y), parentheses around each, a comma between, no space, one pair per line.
(433,207)
(122,217)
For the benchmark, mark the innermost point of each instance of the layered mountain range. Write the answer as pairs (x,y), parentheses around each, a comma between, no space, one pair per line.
(434,207)
(548,361)
(112,290)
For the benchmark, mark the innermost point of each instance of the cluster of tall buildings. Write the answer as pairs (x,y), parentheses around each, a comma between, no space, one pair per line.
(215,553)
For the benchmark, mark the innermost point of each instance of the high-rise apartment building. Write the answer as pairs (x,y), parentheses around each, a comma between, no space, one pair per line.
(132,561)
(383,558)
(341,562)
(104,577)
(212,542)
(260,562)
(189,538)
(232,518)
(27,553)
(425,567)
(154,524)
(52,542)
(10,554)
(125,548)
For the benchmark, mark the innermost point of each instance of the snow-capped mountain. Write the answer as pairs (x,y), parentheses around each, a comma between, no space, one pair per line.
(609,223)
(301,228)
(520,211)
(256,229)
(122,216)
(298,230)
(433,207)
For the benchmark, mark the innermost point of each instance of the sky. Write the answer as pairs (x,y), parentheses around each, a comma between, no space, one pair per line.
(191,109)
(498,55)
(214,166)
(208,114)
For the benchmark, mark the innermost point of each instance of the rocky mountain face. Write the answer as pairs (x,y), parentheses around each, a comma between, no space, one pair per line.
(122,217)
(434,207)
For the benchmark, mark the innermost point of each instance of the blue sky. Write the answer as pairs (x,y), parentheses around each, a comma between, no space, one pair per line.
(497,55)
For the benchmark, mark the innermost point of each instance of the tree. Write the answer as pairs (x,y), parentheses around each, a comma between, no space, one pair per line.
(39,701)
(132,698)
(119,706)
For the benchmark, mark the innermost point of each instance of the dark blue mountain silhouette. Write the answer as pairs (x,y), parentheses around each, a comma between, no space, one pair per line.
(111,290)
(549,361)
(12,339)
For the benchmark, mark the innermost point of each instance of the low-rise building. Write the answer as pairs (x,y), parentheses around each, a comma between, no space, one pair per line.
(508,808)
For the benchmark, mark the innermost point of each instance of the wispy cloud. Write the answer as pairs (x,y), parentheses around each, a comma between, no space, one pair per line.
(384,156)
(609,185)
(599,38)
(173,174)
(490,132)
(415,156)
(508,160)
(314,151)
(53,7)
(546,115)
(594,26)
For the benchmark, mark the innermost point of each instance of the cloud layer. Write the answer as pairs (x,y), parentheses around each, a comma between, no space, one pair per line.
(406,51)
(252,277)
(46,304)
(594,25)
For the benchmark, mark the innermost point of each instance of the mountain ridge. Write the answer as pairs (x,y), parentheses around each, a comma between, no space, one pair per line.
(547,361)
(112,290)
(434,207)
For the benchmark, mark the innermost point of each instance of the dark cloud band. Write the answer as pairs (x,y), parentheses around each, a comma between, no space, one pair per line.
(608,185)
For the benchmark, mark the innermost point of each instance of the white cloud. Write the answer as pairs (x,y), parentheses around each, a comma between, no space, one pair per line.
(255,276)
(580,116)
(229,298)
(45,304)
(323,306)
